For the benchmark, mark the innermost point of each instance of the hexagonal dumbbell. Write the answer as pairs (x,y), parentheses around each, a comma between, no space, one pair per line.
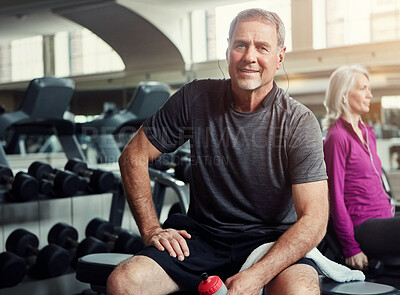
(121,241)
(65,183)
(128,243)
(100,181)
(63,235)
(89,245)
(22,187)
(13,269)
(66,236)
(51,261)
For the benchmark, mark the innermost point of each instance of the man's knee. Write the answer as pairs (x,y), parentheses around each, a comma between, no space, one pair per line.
(140,275)
(124,278)
(295,280)
(114,283)
(308,281)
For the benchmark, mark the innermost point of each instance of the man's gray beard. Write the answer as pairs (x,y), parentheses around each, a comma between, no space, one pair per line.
(248,84)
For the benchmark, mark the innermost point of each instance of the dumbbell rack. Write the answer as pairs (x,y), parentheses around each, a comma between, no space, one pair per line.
(40,215)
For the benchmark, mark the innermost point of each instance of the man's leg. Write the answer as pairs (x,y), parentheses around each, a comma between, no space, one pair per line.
(140,275)
(296,279)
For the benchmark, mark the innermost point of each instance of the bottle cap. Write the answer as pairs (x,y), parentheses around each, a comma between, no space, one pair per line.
(209,285)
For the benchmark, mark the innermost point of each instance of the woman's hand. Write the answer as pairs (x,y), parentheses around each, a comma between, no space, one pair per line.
(358,261)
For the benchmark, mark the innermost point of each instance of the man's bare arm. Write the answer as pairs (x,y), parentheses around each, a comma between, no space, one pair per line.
(312,208)
(133,164)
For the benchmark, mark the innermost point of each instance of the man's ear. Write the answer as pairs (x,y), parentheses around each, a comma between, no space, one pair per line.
(281,56)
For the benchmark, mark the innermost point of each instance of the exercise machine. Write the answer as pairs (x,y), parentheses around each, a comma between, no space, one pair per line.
(41,113)
(107,133)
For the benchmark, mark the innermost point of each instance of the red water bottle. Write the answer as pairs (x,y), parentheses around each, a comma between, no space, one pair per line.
(212,285)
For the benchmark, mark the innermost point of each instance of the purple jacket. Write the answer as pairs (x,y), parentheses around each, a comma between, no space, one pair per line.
(354,172)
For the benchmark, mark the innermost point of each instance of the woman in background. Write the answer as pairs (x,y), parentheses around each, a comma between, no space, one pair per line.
(361,211)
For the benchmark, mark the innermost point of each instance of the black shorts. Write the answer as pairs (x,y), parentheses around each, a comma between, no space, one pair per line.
(216,254)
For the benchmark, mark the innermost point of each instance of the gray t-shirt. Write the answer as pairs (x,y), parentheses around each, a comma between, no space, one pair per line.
(243,164)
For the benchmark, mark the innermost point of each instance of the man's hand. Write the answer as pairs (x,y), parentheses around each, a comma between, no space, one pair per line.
(243,282)
(358,261)
(169,239)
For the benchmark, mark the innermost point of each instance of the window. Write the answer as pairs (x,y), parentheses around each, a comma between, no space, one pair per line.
(5,63)
(90,54)
(26,58)
(75,53)
(61,56)
(343,22)
(385,20)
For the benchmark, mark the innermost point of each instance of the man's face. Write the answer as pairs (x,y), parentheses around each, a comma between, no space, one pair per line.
(253,56)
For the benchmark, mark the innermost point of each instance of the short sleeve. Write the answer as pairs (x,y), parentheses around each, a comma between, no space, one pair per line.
(167,128)
(305,150)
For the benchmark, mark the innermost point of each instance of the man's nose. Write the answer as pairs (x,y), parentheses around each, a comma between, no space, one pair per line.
(250,54)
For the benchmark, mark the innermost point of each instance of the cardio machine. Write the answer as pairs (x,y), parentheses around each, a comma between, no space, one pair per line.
(110,131)
(42,113)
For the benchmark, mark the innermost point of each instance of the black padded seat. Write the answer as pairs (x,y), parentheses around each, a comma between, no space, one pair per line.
(95,269)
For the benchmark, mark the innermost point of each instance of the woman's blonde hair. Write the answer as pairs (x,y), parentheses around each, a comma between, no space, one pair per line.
(340,83)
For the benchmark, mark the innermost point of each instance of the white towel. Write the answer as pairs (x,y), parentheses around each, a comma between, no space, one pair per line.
(329,268)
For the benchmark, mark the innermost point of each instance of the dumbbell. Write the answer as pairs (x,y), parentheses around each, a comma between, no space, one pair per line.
(65,183)
(122,241)
(12,269)
(89,245)
(23,187)
(63,235)
(45,186)
(51,261)
(128,243)
(99,180)
(66,237)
